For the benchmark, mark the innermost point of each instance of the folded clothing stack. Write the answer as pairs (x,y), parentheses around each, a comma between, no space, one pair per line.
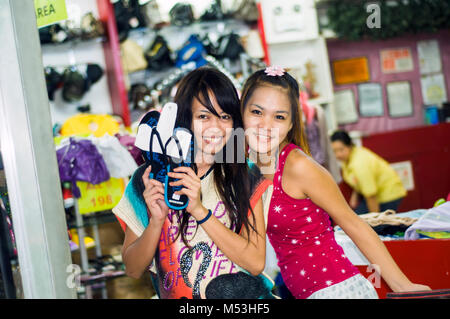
(388,222)
(435,223)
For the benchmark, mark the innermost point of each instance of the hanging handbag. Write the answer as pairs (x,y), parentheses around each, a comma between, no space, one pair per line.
(192,51)
(53,79)
(181,14)
(229,47)
(247,11)
(132,58)
(158,55)
(129,15)
(81,161)
(91,27)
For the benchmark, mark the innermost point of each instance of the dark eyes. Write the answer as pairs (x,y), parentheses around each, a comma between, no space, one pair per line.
(225,117)
(258,112)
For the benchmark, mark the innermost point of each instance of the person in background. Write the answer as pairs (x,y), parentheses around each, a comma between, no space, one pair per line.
(376,186)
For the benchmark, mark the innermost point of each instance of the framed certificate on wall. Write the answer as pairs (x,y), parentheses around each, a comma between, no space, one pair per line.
(370,99)
(429,56)
(399,99)
(348,71)
(345,107)
(396,60)
(433,89)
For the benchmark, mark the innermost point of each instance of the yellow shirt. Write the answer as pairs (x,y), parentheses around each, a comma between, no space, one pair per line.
(369,174)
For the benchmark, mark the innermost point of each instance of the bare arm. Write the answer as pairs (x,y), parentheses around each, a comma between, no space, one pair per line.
(315,182)
(138,252)
(249,254)
(354,199)
(372,204)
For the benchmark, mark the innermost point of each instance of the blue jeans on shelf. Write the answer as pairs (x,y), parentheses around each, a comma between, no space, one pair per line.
(362,206)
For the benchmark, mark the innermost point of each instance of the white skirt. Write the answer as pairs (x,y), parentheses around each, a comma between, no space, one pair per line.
(356,287)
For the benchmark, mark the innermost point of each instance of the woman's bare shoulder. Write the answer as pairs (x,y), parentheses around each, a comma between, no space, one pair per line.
(297,162)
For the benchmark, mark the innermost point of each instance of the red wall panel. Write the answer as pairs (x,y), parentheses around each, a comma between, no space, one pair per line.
(428,149)
(425,261)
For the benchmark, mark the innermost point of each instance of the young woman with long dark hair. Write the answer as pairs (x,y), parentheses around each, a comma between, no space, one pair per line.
(304,199)
(215,248)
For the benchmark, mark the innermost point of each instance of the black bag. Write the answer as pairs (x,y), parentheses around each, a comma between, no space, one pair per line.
(229,47)
(53,80)
(129,15)
(77,82)
(54,33)
(158,55)
(214,12)
(74,85)
(181,14)
(210,46)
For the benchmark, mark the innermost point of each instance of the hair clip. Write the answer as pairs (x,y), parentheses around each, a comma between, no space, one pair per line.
(274,70)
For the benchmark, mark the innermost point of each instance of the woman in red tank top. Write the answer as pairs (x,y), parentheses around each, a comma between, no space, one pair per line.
(304,199)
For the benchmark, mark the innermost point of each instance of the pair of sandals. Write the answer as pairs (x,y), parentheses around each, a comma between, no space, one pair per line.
(105,263)
(165,147)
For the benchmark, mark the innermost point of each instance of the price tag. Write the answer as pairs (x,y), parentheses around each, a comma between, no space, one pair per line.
(100,197)
(50,11)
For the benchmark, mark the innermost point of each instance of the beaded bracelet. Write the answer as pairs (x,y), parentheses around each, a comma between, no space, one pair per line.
(199,222)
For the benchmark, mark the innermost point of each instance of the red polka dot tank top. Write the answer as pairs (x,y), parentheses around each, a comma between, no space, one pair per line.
(303,239)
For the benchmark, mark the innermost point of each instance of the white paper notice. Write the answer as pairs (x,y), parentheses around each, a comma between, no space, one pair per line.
(429,56)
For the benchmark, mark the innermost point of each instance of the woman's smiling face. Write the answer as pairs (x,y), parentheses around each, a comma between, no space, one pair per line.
(211,132)
(267,119)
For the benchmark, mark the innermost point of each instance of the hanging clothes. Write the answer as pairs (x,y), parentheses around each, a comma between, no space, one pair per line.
(317,136)
(312,129)
(314,142)
(331,163)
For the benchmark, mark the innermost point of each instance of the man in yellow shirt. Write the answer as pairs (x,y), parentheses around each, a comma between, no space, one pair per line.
(376,186)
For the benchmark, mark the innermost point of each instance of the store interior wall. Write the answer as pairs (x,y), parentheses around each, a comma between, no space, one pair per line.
(78,53)
(294,56)
(341,49)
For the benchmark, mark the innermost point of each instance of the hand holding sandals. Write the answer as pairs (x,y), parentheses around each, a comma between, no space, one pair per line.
(191,188)
(154,198)
(154,193)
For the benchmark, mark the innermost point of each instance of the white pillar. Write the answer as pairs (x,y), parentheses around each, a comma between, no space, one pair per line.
(29,157)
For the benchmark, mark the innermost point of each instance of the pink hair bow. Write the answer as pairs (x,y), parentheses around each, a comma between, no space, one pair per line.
(274,70)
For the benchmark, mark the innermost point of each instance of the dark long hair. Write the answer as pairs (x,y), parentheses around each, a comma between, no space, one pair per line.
(231,180)
(258,79)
